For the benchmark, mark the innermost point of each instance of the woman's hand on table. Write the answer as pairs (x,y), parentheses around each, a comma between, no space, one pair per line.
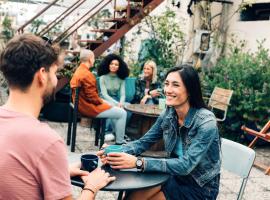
(74,170)
(144,99)
(97,179)
(101,154)
(121,160)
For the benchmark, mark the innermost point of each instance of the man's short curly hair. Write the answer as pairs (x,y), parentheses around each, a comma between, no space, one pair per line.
(104,67)
(23,56)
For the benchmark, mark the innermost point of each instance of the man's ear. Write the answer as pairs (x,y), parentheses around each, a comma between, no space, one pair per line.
(41,75)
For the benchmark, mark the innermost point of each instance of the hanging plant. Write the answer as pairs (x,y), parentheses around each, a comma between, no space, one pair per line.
(8,31)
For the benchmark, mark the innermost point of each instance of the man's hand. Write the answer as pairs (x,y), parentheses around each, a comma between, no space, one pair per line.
(121,160)
(74,170)
(97,179)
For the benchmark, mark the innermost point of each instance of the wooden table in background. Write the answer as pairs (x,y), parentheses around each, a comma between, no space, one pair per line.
(143,118)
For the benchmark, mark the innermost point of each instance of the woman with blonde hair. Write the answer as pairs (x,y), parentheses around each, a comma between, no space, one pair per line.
(148,89)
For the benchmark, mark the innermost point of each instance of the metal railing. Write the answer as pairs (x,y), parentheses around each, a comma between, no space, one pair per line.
(21,29)
(77,24)
(60,17)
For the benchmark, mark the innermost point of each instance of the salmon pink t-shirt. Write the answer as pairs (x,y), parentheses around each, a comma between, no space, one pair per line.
(33,159)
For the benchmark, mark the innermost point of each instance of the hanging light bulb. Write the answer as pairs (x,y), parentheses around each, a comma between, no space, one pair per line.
(178,5)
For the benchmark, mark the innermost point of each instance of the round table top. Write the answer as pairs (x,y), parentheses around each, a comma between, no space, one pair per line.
(128,180)
(144,109)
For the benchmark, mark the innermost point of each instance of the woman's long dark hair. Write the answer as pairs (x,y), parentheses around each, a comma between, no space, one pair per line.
(104,67)
(192,83)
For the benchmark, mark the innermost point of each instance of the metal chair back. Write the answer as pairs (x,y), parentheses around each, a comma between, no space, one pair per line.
(238,159)
(72,123)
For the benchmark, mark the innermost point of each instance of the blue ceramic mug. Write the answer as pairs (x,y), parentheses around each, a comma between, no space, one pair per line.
(89,162)
(113,149)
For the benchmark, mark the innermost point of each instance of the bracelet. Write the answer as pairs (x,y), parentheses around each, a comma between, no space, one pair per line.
(93,188)
(89,190)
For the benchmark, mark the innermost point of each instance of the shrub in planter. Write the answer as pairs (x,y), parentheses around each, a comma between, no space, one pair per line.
(248,75)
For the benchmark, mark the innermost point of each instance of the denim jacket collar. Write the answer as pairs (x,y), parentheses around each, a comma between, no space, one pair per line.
(188,119)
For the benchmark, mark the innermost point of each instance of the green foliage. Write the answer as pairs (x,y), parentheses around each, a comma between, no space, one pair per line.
(165,42)
(36,24)
(7,31)
(248,75)
(69,69)
(55,31)
(96,22)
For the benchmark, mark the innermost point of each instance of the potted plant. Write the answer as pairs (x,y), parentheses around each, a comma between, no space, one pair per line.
(248,75)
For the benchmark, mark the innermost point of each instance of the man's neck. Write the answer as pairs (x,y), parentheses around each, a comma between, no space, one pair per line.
(87,64)
(27,103)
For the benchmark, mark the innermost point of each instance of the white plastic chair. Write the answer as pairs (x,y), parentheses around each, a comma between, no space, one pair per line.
(238,159)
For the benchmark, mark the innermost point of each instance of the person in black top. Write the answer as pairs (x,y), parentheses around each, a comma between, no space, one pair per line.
(148,89)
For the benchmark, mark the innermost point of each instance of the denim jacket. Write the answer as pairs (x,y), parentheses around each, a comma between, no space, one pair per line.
(200,140)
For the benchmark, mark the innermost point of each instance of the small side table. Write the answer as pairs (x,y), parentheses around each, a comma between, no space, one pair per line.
(128,180)
(144,116)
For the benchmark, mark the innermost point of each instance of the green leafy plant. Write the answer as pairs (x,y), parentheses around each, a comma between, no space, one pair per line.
(165,42)
(96,22)
(248,75)
(36,24)
(69,68)
(67,71)
(8,31)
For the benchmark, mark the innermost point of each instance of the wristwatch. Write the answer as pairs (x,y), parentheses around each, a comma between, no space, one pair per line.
(139,163)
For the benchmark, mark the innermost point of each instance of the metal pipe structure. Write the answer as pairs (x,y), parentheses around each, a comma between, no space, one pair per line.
(60,17)
(58,40)
(20,30)
(223,1)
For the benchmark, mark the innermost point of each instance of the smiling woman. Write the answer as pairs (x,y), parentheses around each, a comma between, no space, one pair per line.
(112,71)
(148,88)
(175,91)
(191,141)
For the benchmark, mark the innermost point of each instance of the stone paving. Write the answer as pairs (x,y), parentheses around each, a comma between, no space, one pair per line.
(258,186)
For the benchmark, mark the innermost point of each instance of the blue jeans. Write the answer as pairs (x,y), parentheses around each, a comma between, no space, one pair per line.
(109,124)
(185,188)
(118,117)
